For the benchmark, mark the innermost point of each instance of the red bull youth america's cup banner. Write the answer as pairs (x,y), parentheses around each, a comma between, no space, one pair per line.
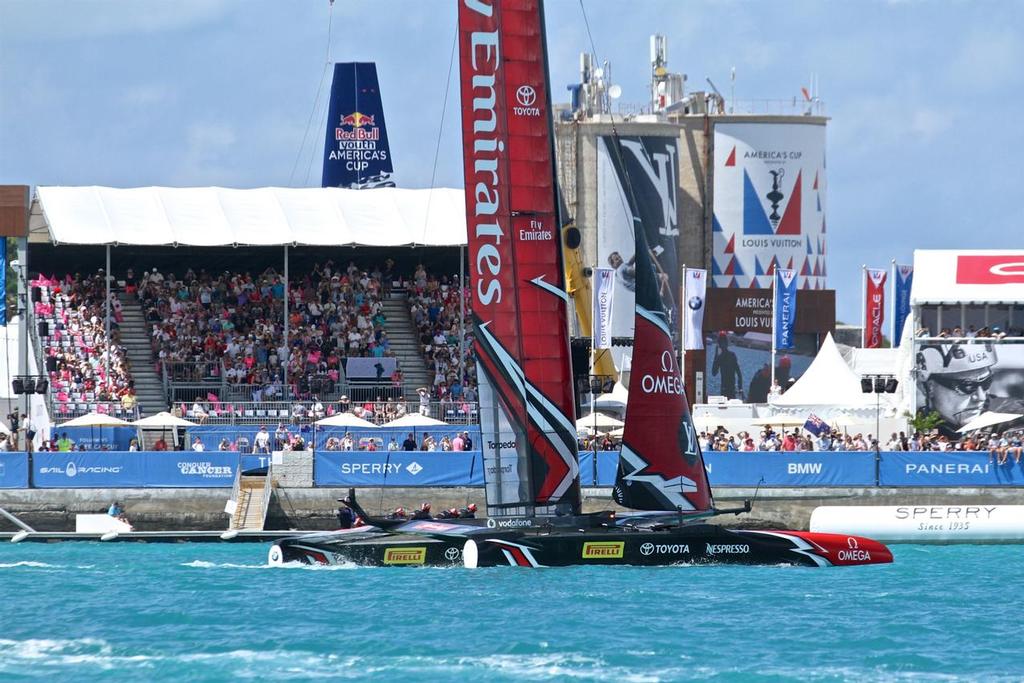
(519,300)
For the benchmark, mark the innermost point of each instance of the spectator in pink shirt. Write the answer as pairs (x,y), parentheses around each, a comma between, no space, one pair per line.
(458,444)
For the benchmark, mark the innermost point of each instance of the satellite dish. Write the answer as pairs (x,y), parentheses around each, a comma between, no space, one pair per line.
(615,92)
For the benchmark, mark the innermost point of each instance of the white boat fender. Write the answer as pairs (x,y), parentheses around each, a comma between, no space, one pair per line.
(109,536)
(19,537)
(229,534)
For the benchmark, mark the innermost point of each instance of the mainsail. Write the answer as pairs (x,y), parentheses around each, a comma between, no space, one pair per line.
(517,281)
(660,463)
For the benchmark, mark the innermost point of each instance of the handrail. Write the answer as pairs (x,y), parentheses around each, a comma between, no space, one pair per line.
(235,490)
(466,412)
(268,493)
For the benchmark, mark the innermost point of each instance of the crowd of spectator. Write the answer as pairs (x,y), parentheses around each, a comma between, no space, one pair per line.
(995,332)
(76,348)
(203,321)
(435,306)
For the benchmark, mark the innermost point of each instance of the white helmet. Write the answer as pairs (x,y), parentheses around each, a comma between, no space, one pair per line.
(952,359)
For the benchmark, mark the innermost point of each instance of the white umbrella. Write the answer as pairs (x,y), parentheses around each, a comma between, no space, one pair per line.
(780,421)
(348,420)
(598,421)
(415,420)
(987,419)
(96,420)
(163,419)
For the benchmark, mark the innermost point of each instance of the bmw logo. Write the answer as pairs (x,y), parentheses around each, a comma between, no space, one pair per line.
(646,549)
(695,303)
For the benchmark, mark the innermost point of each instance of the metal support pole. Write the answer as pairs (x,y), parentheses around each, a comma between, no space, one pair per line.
(287,348)
(863,304)
(23,331)
(462,318)
(775,316)
(106,328)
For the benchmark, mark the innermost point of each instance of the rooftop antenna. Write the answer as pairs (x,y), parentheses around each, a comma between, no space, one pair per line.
(732,91)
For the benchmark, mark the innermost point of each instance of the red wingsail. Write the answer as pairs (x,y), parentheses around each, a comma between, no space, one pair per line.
(517,281)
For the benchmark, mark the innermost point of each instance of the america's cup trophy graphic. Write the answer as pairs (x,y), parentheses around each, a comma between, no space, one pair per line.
(775,196)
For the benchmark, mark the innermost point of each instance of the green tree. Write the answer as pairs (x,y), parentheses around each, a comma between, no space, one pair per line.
(924,422)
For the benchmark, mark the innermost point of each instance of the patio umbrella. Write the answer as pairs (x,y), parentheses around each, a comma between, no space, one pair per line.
(350,420)
(414,420)
(163,419)
(100,420)
(599,422)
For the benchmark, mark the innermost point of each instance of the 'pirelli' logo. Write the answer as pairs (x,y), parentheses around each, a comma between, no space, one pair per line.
(595,550)
(405,555)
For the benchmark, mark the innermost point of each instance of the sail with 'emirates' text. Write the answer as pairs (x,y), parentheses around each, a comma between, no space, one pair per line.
(660,463)
(519,302)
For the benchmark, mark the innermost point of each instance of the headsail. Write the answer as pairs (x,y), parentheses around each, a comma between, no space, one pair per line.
(660,463)
(519,300)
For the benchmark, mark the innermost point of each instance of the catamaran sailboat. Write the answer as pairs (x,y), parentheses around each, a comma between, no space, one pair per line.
(520,309)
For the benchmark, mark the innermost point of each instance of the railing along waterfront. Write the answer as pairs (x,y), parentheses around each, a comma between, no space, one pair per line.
(291,412)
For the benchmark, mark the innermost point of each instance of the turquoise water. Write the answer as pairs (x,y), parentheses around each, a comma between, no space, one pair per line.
(89,611)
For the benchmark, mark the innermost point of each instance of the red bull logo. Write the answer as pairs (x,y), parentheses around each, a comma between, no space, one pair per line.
(357,126)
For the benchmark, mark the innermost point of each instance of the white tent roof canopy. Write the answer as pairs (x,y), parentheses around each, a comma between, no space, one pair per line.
(954,276)
(266,216)
(827,381)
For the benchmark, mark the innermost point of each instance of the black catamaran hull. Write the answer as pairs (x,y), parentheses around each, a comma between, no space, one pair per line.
(688,544)
(379,550)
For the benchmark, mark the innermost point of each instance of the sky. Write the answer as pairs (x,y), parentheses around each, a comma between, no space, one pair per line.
(925,98)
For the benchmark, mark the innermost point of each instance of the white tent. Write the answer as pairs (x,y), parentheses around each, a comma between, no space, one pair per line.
(598,421)
(415,420)
(266,216)
(346,420)
(828,381)
(164,420)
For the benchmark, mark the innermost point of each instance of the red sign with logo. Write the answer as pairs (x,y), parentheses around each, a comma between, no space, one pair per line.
(874,307)
(989,270)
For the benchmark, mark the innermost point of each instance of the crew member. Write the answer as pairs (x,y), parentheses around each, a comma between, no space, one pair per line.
(346,517)
(468,512)
(423,512)
(726,365)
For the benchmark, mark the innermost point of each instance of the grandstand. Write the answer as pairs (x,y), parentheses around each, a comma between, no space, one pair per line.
(204,327)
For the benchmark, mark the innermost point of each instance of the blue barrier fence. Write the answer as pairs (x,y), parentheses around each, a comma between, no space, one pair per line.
(13,470)
(170,469)
(398,468)
(188,469)
(947,469)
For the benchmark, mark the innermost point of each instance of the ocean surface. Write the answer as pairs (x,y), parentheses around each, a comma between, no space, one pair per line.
(216,612)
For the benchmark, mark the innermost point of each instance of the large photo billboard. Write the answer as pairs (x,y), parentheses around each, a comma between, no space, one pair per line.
(962,380)
(646,166)
(769,204)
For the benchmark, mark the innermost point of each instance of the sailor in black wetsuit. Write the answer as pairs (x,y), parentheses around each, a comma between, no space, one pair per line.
(423,512)
(346,518)
(468,512)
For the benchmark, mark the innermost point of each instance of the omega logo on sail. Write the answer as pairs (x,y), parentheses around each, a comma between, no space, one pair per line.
(484,60)
(667,382)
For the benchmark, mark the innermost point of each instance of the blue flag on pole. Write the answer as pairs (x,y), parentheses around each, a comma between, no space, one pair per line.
(356,152)
(3,284)
(904,281)
(785,307)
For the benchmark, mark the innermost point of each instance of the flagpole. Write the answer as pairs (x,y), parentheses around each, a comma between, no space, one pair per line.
(863,303)
(775,316)
(892,308)
(682,329)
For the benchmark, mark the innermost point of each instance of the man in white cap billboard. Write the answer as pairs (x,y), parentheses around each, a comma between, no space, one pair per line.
(955,380)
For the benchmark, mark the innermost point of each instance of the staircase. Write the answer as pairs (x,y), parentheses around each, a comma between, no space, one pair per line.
(249,513)
(149,388)
(406,346)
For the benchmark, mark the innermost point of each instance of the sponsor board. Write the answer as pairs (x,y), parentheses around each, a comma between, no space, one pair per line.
(603,550)
(493,523)
(415,555)
(726,549)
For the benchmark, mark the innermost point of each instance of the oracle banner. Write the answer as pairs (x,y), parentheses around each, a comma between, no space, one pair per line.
(874,306)
(984,269)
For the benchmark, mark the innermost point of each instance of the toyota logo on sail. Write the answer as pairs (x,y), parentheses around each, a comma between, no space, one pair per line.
(526,96)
